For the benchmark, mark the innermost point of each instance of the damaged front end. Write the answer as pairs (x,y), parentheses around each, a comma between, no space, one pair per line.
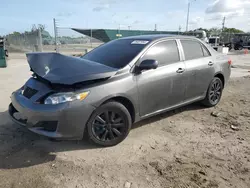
(49,101)
(60,73)
(60,69)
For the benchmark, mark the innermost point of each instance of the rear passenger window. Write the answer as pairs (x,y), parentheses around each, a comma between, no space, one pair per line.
(192,49)
(205,51)
(164,52)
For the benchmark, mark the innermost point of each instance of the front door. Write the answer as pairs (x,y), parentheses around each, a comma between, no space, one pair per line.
(165,86)
(199,68)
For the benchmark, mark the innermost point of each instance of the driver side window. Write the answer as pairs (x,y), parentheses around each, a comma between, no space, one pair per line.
(165,53)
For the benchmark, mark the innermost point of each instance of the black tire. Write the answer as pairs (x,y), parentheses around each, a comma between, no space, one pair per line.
(214,93)
(240,47)
(6,53)
(109,124)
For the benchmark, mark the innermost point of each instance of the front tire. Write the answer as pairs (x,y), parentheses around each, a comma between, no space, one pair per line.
(109,124)
(214,93)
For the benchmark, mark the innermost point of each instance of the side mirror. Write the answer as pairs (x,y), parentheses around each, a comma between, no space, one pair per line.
(148,64)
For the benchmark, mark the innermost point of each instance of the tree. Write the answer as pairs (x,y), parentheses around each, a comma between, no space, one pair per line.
(232,30)
(41,27)
(214,31)
(16,33)
(33,28)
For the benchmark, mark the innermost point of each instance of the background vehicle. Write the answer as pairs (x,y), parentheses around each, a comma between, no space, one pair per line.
(3,53)
(216,42)
(241,40)
(146,76)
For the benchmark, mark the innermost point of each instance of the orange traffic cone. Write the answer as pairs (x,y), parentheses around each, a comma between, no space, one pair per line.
(245,51)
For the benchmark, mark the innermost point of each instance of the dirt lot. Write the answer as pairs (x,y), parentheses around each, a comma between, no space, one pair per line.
(191,147)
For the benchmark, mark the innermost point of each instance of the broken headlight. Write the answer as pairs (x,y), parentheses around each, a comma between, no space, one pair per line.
(58,98)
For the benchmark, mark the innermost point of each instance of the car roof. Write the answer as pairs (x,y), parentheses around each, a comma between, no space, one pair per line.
(156,37)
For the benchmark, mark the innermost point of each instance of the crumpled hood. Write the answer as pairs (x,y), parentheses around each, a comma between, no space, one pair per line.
(61,69)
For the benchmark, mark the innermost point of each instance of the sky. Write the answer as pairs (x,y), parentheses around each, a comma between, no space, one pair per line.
(19,15)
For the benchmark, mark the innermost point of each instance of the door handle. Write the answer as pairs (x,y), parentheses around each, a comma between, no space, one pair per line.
(180,70)
(210,63)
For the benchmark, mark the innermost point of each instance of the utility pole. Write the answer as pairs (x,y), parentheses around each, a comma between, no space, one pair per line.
(222,29)
(91,38)
(155,27)
(56,34)
(119,30)
(187,17)
(223,23)
(40,43)
(179,29)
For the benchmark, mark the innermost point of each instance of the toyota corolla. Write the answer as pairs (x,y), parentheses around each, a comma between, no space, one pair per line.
(117,84)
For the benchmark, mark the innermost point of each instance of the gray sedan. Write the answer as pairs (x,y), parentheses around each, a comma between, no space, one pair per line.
(117,84)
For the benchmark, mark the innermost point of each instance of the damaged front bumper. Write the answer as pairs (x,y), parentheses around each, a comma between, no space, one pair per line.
(61,121)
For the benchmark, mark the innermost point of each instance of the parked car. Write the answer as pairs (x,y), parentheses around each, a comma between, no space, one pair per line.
(117,84)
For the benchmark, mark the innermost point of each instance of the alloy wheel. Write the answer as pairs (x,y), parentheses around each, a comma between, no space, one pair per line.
(108,126)
(215,92)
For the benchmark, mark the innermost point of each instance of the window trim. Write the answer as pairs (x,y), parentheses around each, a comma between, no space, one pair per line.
(200,46)
(204,47)
(161,41)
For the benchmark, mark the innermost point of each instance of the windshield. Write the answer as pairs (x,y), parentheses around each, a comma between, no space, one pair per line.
(212,40)
(117,53)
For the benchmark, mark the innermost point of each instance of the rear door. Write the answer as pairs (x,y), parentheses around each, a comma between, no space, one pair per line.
(165,86)
(199,68)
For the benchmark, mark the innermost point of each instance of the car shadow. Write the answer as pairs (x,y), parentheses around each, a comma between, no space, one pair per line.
(191,107)
(21,148)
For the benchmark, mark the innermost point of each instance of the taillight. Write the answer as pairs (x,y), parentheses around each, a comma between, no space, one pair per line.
(230,62)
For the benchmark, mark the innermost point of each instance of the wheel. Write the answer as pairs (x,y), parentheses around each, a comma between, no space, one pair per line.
(240,47)
(6,53)
(109,124)
(214,93)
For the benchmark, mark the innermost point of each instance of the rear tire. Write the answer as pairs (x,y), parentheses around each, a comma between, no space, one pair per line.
(214,93)
(109,124)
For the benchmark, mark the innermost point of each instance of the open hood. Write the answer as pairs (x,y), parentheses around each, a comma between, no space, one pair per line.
(61,69)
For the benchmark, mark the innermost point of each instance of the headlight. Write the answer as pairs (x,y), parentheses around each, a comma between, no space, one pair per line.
(65,97)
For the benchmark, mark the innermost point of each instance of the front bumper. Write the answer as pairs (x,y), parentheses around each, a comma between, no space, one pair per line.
(62,121)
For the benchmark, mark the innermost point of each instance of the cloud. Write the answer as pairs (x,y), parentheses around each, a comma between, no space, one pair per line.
(227,6)
(136,22)
(220,16)
(101,7)
(103,4)
(196,20)
(235,11)
(64,14)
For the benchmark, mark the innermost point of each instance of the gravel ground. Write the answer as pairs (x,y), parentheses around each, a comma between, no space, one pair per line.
(191,147)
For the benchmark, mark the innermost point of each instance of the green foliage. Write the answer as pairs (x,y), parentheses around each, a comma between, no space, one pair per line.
(214,31)
(232,30)
(16,33)
(217,31)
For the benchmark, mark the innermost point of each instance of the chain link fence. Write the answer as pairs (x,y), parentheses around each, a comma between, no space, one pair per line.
(70,42)
(24,42)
